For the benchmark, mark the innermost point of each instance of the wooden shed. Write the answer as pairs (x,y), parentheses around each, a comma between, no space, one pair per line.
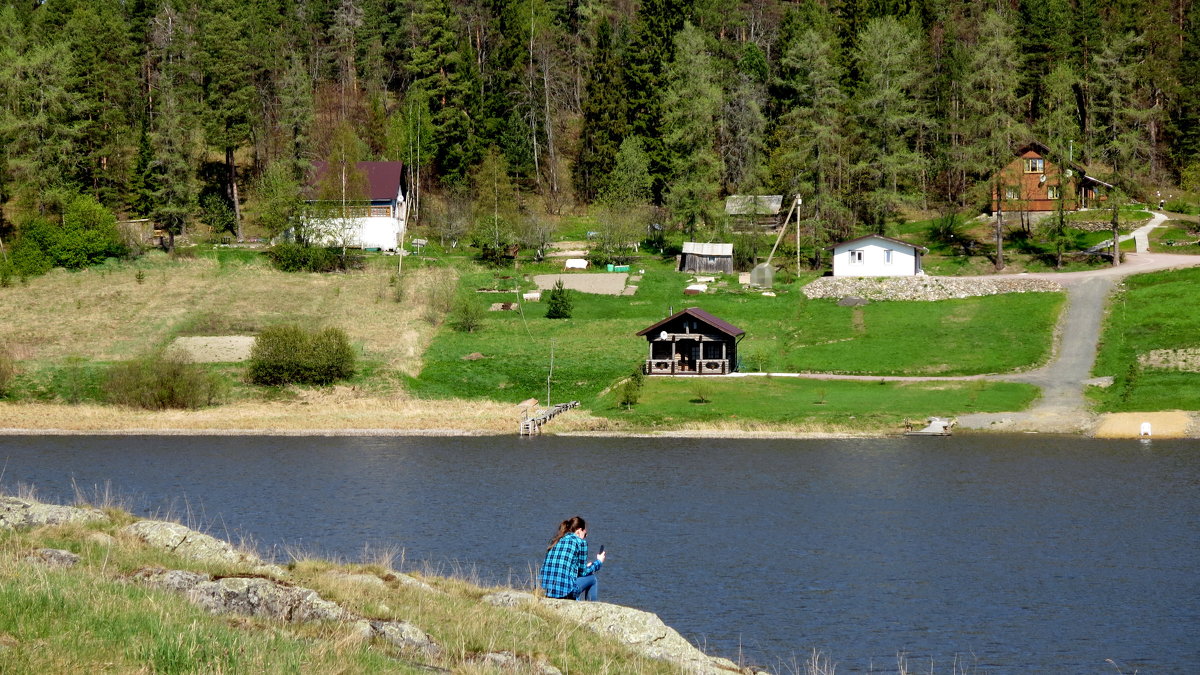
(706,258)
(691,342)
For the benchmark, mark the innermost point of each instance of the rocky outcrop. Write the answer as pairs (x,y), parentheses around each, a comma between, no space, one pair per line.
(925,288)
(508,662)
(16,512)
(644,632)
(270,599)
(54,557)
(196,545)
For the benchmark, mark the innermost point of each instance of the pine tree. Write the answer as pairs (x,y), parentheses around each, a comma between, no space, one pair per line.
(558,302)
(692,102)
(604,122)
(891,115)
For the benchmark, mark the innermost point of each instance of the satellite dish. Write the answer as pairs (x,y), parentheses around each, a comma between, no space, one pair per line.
(663,335)
(1068,173)
(1042,179)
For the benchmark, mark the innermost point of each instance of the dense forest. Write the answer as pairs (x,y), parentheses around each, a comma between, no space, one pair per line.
(212,111)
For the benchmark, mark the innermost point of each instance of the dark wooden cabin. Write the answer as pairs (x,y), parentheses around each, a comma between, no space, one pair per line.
(691,342)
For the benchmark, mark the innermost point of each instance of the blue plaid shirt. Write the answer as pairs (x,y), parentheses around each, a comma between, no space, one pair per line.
(566,561)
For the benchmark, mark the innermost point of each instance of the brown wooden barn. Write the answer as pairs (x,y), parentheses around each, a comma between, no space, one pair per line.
(1031,182)
(691,342)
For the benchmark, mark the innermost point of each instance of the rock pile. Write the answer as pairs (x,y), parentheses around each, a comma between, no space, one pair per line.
(1183,360)
(925,288)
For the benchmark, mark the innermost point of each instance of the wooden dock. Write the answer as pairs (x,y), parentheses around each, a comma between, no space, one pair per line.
(533,425)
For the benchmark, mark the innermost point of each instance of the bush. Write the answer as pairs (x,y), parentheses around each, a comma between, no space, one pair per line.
(291,257)
(467,314)
(294,355)
(8,370)
(162,381)
(1181,206)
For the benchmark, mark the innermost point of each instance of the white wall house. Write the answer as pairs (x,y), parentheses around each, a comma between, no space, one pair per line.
(877,256)
(376,218)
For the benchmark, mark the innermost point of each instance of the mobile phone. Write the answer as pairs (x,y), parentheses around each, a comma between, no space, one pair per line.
(601,549)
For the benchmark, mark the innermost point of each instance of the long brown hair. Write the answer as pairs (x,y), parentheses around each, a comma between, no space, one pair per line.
(569,525)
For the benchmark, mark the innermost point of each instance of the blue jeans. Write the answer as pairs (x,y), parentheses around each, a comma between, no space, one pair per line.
(586,588)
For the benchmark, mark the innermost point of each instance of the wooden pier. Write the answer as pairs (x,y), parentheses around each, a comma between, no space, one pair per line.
(533,425)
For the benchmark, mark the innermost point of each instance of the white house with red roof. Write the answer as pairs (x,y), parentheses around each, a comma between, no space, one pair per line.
(364,207)
(877,256)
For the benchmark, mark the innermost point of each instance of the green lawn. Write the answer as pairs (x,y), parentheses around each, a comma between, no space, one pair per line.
(787,333)
(1153,311)
(782,400)
(1177,237)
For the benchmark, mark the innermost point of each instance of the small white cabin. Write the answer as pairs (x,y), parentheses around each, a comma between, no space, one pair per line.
(374,217)
(877,256)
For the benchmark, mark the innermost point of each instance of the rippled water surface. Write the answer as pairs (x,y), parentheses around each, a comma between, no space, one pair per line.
(1011,554)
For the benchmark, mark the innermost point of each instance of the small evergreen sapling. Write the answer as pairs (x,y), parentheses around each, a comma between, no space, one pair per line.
(558,302)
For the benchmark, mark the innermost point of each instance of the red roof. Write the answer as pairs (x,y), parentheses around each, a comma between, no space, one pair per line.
(383,178)
(720,324)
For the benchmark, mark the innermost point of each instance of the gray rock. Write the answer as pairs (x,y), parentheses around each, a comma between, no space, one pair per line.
(189,543)
(509,598)
(265,598)
(508,662)
(54,557)
(406,636)
(851,301)
(101,539)
(413,582)
(356,579)
(179,581)
(642,631)
(16,512)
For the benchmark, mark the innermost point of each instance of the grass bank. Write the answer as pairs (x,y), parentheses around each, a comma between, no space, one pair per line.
(792,402)
(91,618)
(1149,312)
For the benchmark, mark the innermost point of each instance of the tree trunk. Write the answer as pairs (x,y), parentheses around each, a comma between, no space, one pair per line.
(231,167)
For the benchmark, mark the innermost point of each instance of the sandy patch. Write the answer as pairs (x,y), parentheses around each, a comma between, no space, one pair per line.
(215,348)
(606,283)
(1173,424)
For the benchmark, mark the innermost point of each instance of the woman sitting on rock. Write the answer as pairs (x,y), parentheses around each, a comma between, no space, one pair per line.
(566,573)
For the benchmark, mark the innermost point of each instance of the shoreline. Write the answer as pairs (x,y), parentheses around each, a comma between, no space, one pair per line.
(386,417)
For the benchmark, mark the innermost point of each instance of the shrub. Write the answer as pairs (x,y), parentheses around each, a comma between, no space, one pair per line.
(558,302)
(291,354)
(467,314)
(162,381)
(1181,206)
(8,370)
(291,257)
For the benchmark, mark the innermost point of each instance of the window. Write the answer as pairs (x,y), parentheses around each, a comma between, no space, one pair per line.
(1035,165)
(1012,193)
(1052,192)
(887,256)
(856,257)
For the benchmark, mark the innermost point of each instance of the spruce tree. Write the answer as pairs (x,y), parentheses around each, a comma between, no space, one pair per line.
(692,103)
(558,302)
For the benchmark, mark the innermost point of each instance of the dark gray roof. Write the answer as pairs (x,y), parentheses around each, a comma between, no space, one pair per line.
(720,324)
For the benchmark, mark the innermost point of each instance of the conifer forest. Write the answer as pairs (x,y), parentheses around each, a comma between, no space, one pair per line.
(211,112)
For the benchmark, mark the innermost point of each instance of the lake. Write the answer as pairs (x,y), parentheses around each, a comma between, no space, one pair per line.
(1006,553)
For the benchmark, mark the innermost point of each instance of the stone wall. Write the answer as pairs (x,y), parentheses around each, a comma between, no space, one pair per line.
(925,288)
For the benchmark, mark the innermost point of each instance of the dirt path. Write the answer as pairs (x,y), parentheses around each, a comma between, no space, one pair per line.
(1062,407)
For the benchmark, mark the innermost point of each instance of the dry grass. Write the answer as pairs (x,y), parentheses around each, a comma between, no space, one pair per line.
(104,314)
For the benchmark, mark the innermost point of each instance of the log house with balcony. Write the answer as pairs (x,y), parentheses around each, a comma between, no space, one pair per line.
(691,342)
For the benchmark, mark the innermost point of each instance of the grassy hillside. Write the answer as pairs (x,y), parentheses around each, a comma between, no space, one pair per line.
(90,618)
